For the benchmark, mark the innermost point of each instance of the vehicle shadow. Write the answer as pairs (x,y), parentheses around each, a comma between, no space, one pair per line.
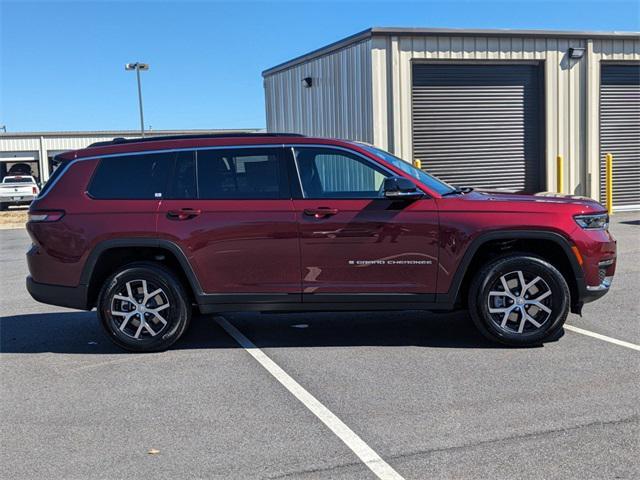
(80,332)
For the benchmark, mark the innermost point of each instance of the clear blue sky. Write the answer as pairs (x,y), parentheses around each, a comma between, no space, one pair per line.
(61,64)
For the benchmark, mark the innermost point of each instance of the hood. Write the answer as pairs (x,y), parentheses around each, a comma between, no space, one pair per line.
(541,198)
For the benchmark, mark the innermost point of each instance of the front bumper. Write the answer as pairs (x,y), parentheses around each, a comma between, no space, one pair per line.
(592,293)
(71,297)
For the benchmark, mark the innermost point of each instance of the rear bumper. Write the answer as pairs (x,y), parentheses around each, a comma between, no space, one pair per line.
(71,297)
(18,199)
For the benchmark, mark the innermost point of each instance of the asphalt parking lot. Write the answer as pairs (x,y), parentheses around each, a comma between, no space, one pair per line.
(425,392)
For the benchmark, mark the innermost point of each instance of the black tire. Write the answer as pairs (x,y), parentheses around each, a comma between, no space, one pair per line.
(171,304)
(4,206)
(500,317)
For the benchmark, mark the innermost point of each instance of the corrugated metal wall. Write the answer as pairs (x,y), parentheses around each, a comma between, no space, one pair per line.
(571,91)
(339,104)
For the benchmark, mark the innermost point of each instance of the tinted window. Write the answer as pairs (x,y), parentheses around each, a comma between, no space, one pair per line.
(134,177)
(242,174)
(18,180)
(327,173)
(182,184)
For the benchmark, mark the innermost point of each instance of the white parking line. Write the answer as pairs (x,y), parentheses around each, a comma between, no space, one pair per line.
(615,341)
(370,458)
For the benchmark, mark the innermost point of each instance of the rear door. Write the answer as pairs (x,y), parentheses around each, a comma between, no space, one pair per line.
(355,244)
(125,191)
(230,211)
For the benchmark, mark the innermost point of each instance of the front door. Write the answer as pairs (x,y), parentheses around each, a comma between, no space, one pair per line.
(231,212)
(355,244)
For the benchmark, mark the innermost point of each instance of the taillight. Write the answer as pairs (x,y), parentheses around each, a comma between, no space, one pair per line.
(46,216)
(35,190)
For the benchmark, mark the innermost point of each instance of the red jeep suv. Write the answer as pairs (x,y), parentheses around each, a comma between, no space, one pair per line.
(144,230)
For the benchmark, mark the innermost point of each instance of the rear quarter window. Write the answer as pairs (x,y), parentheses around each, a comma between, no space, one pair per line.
(131,177)
(57,173)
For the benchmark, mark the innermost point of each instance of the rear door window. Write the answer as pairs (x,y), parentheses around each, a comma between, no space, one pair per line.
(249,174)
(132,177)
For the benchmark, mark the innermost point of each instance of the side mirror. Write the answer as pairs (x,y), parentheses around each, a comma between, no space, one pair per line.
(400,188)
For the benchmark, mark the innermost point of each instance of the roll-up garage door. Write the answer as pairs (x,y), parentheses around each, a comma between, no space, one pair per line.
(479,125)
(620,132)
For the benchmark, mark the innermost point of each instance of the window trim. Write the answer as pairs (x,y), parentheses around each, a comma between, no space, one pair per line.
(284,182)
(337,147)
(288,156)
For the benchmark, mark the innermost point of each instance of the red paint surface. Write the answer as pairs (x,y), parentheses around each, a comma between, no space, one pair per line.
(273,246)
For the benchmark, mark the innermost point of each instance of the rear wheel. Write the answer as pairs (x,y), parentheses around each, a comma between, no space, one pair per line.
(4,206)
(144,308)
(519,300)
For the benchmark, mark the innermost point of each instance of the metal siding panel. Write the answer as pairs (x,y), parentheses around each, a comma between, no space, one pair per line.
(505,48)
(620,131)
(517,49)
(478,125)
(551,106)
(432,47)
(419,46)
(337,105)
(482,47)
(380,95)
(494,49)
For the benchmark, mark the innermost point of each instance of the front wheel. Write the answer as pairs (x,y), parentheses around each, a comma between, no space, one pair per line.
(143,307)
(519,300)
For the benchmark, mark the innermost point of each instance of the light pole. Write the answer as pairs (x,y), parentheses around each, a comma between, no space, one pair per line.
(137,67)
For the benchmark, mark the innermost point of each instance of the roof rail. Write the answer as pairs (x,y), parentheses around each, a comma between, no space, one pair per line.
(121,140)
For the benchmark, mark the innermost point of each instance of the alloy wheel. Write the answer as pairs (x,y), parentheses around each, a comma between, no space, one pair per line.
(520,302)
(137,309)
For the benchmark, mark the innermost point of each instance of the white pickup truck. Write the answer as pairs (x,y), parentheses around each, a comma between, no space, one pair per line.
(17,190)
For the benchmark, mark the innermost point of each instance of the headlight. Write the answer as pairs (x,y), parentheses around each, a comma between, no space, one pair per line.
(597,221)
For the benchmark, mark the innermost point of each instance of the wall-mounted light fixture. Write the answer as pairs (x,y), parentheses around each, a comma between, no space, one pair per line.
(576,52)
(307,82)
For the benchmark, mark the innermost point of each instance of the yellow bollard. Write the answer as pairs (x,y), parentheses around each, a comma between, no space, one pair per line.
(417,163)
(609,181)
(559,174)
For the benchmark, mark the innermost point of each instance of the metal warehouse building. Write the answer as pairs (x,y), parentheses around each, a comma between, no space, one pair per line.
(482,108)
(38,149)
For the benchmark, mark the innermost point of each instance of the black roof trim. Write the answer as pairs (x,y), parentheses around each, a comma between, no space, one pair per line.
(120,140)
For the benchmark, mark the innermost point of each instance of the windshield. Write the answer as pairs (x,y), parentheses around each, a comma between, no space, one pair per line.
(430,181)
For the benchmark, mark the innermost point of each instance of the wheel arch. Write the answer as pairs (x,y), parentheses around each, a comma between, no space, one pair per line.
(549,245)
(109,255)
